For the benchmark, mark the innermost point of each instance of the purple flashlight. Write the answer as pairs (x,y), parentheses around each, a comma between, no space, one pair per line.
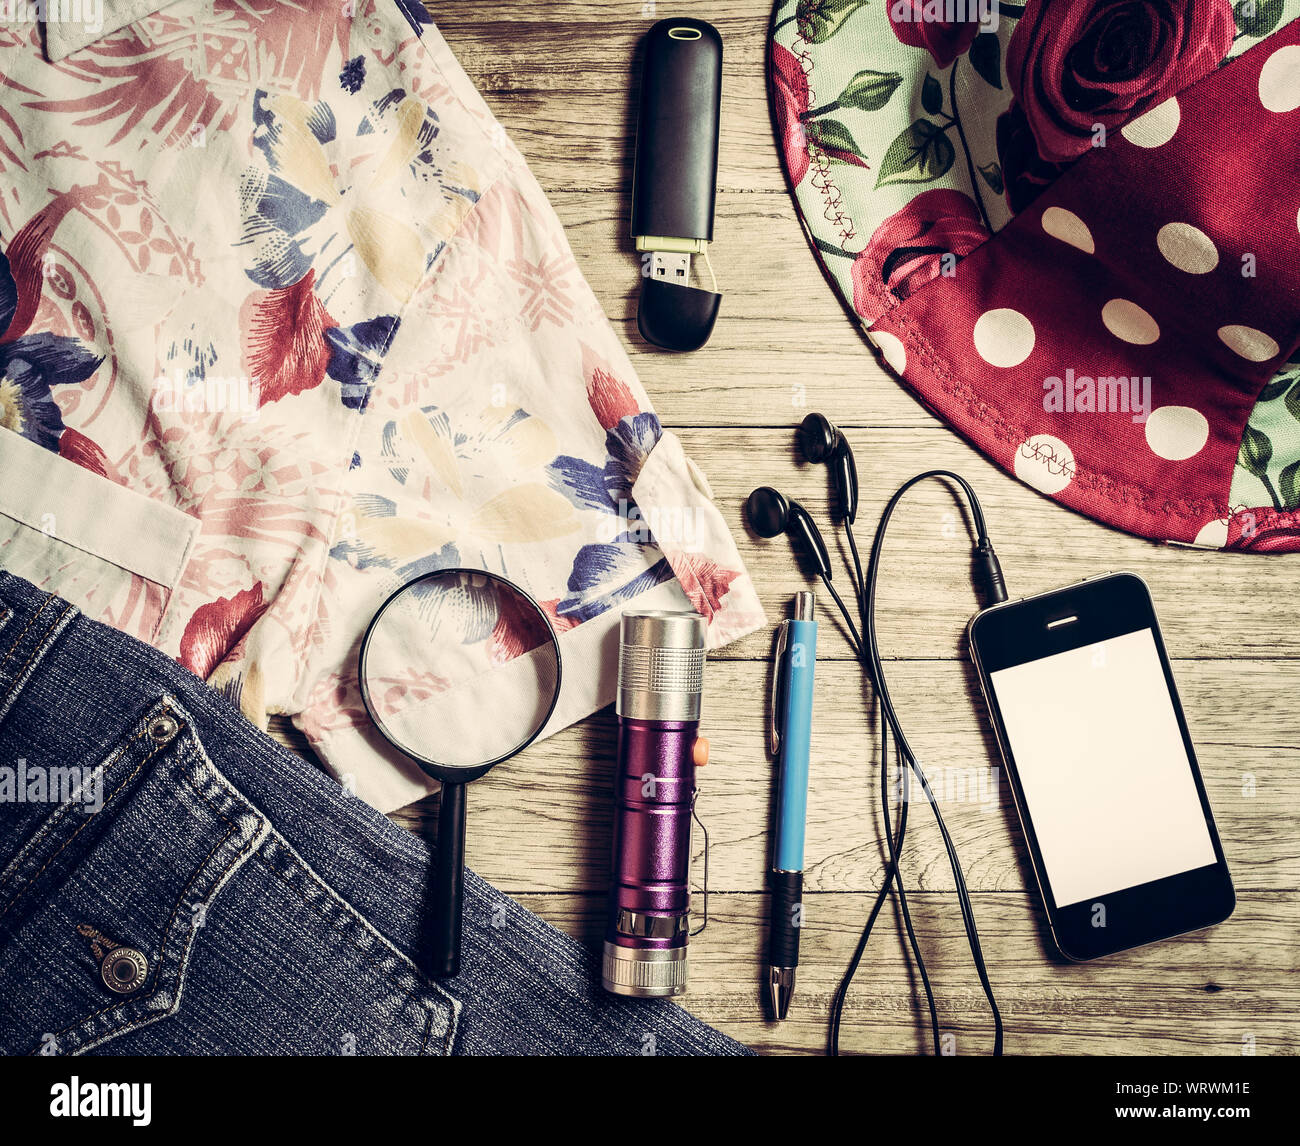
(660,678)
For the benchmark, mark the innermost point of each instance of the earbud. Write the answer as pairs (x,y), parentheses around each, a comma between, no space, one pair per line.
(822,443)
(770,513)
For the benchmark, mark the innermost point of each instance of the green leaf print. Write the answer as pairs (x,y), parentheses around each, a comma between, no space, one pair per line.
(992,173)
(835,140)
(1277,387)
(819,20)
(869,91)
(1256,451)
(1257,17)
(1288,486)
(1292,402)
(920,154)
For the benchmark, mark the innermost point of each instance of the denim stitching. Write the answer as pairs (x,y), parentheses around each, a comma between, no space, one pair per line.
(31,621)
(82,828)
(356,915)
(157,971)
(198,871)
(40,647)
(415,987)
(63,810)
(351,910)
(418,987)
(145,1019)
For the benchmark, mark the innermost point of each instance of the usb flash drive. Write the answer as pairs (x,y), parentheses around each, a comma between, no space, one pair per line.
(676,180)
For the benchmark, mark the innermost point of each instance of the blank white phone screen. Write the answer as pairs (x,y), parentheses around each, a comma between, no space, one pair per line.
(1105,776)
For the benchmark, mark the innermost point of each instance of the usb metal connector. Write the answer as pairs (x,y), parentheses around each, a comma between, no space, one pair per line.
(670,267)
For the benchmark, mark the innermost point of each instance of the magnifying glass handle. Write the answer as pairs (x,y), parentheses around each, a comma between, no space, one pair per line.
(449,882)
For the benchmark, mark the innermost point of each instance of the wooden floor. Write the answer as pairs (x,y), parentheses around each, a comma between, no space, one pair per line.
(558,75)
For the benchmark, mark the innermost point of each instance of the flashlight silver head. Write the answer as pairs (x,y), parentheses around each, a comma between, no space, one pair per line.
(661,666)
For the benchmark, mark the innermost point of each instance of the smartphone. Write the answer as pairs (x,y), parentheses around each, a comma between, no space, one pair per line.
(1101,766)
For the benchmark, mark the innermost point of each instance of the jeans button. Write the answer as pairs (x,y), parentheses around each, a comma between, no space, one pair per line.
(124,970)
(163,728)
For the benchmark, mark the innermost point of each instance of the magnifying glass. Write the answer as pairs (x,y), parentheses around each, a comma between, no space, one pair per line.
(459,670)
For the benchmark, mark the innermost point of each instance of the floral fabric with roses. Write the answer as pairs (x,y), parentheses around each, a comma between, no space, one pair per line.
(1073,228)
(285,321)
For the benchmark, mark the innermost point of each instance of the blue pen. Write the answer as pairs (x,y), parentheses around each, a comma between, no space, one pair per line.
(790,733)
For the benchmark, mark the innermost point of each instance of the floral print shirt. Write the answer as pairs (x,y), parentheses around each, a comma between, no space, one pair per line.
(286,321)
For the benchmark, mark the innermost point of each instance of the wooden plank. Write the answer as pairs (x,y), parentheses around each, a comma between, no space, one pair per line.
(1223,991)
(784,342)
(563,79)
(1210,603)
(543,822)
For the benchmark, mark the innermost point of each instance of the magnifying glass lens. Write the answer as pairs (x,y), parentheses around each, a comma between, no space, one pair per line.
(460,670)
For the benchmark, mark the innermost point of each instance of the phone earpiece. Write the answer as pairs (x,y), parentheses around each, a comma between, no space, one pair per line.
(818,438)
(770,513)
(822,443)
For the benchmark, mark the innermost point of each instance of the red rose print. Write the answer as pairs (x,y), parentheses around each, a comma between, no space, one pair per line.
(216,628)
(1024,172)
(1090,62)
(790,101)
(908,248)
(945,40)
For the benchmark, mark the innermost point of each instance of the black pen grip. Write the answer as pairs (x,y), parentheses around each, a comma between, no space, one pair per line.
(787,919)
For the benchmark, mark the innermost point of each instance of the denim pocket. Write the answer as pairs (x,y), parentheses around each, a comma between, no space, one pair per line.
(159,869)
(115,877)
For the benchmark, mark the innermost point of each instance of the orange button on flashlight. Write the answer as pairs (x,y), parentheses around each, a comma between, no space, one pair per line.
(700,753)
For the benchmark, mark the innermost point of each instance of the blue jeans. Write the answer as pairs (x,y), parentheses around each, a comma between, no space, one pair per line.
(172,881)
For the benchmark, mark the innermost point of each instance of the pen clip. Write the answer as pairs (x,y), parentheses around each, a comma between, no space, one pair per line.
(778,687)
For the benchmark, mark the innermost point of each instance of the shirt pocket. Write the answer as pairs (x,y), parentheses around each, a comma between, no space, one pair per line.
(157,872)
(114,553)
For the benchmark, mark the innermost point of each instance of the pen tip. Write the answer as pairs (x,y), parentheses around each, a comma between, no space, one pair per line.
(780,990)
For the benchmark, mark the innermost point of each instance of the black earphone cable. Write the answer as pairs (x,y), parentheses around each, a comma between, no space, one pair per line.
(859,582)
(893,876)
(869,652)
(855,637)
(994,590)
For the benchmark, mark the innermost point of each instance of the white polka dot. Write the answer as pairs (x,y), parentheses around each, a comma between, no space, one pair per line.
(1279,82)
(1253,345)
(1213,535)
(891,350)
(1176,432)
(1188,248)
(1129,322)
(1154,128)
(1069,228)
(1004,337)
(1046,463)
